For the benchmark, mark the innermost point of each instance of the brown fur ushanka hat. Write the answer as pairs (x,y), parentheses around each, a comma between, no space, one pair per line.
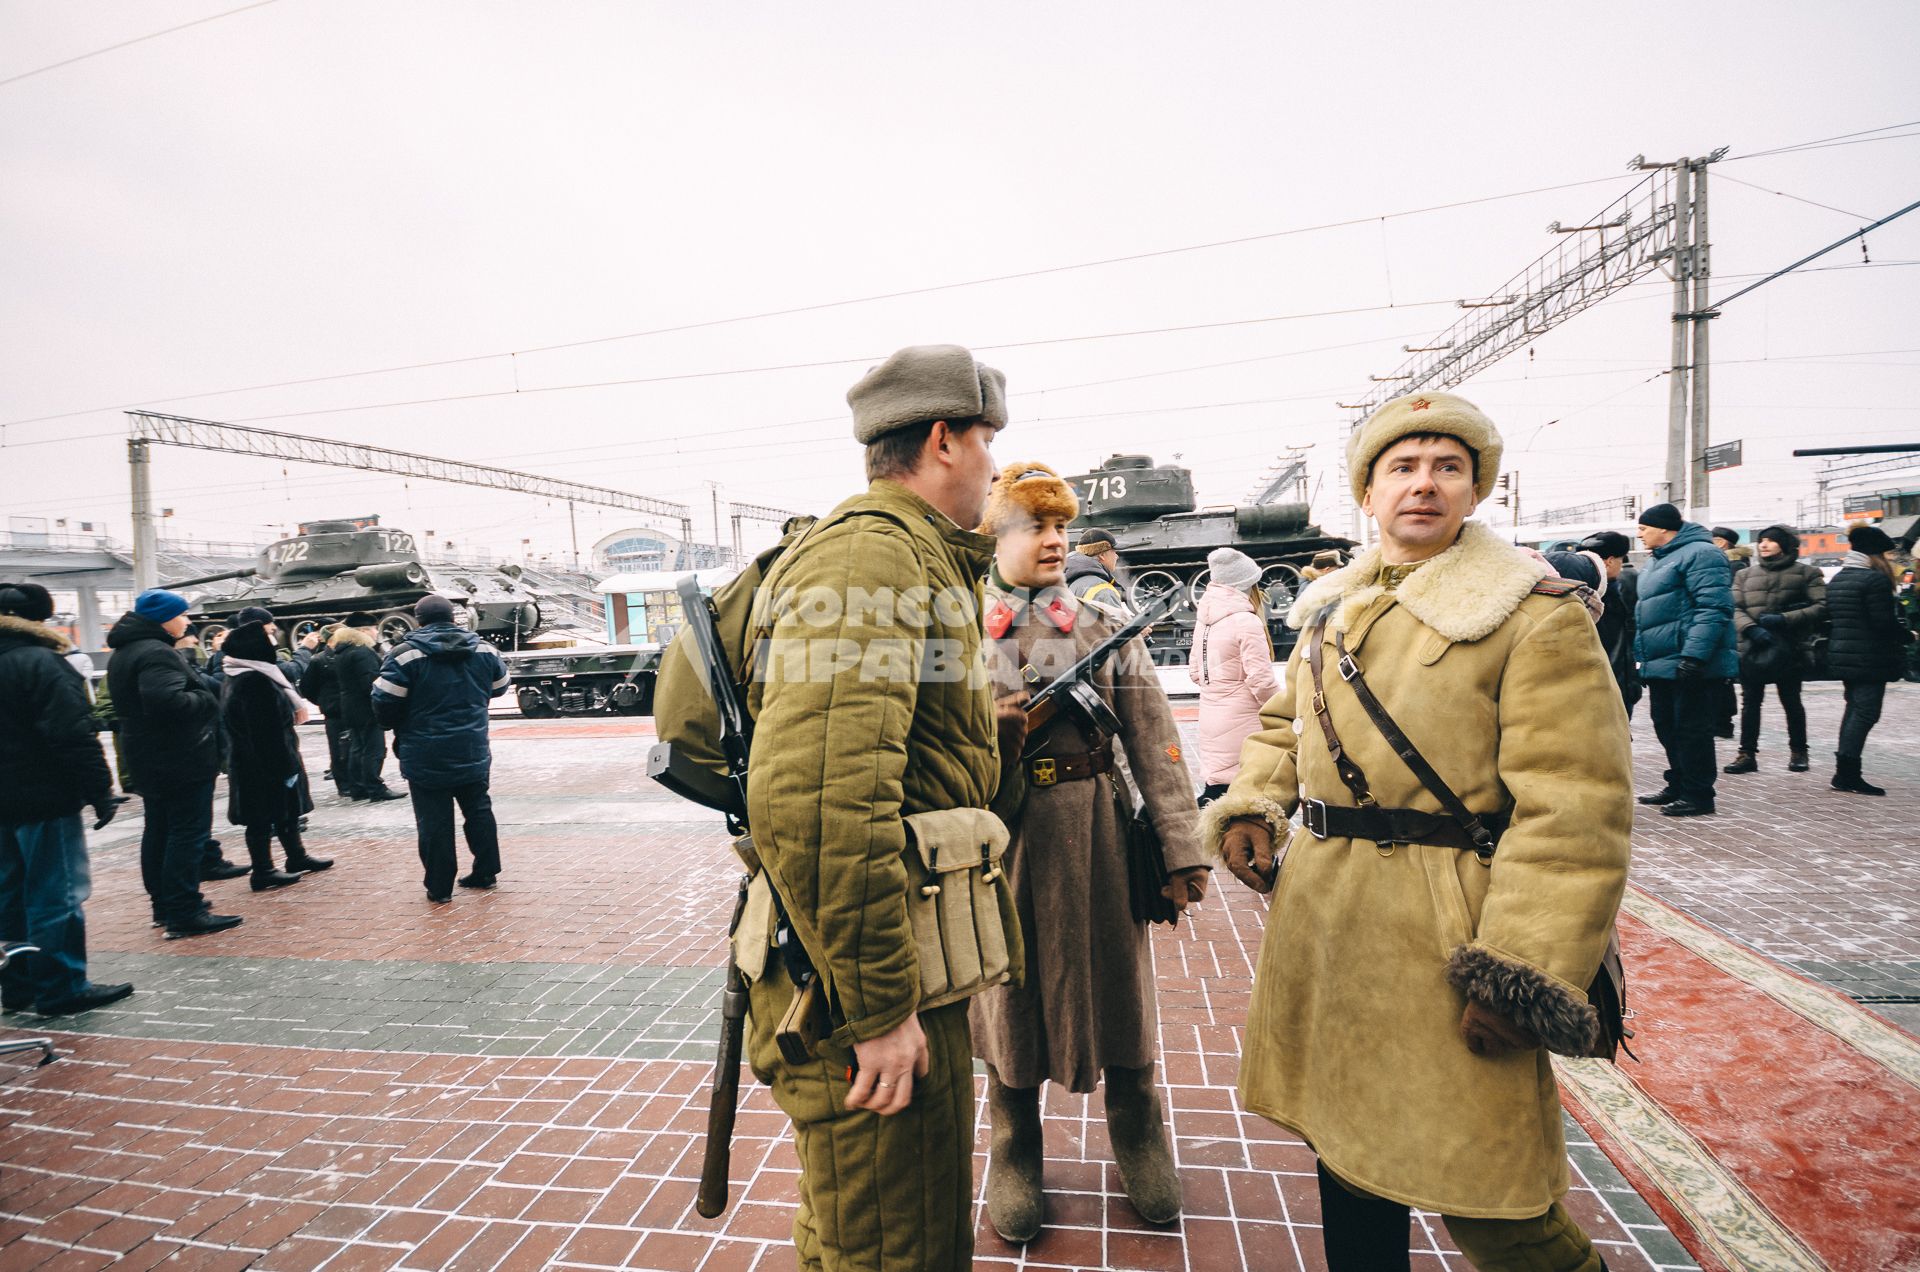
(1027,490)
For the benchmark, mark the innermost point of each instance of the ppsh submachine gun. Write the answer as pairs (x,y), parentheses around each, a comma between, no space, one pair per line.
(725,791)
(1071,694)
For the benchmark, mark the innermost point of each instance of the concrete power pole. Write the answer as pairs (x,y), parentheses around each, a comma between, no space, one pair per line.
(146,544)
(1681,262)
(1701,504)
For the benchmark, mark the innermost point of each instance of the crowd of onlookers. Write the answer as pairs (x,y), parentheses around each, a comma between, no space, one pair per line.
(1702,629)
(180,716)
(1702,615)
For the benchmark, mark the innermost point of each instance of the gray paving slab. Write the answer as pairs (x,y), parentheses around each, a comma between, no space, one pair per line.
(461,1008)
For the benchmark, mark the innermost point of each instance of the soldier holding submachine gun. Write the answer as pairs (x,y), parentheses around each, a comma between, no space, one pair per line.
(1086,874)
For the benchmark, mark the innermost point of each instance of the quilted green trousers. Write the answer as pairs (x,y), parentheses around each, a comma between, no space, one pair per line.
(877,1194)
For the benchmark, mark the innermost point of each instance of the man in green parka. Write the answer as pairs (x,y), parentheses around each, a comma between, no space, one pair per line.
(1413,979)
(871,704)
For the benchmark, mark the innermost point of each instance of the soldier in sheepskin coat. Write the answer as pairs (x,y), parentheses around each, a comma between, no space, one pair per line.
(1408,995)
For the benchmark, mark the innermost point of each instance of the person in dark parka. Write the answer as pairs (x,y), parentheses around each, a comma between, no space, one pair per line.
(170,735)
(1616,625)
(266,780)
(1684,643)
(356,665)
(432,692)
(51,767)
(1779,606)
(321,687)
(1866,649)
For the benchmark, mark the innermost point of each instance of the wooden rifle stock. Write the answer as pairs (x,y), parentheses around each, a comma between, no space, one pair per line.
(717,1157)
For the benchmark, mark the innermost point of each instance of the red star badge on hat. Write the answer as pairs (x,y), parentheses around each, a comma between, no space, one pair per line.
(1418,404)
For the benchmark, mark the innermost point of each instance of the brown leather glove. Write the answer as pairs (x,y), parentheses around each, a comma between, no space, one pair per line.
(1186,887)
(1247,847)
(1490,1035)
(1010,716)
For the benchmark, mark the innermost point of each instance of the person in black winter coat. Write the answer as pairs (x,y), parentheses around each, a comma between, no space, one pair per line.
(170,737)
(356,665)
(51,767)
(322,688)
(433,692)
(266,779)
(1616,626)
(1866,649)
(1092,570)
(1779,607)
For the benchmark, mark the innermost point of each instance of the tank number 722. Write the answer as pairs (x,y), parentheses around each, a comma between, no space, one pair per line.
(1106,487)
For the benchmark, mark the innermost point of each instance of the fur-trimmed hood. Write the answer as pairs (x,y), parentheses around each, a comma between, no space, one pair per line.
(37,633)
(343,636)
(1464,594)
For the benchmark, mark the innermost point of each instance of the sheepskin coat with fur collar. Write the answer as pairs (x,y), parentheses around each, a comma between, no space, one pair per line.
(1369,957)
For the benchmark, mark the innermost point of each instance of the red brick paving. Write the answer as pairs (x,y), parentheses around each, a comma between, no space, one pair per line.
(282,1157)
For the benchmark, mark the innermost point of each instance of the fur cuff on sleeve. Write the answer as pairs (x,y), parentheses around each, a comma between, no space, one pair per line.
(1215,816)
(1564,1022)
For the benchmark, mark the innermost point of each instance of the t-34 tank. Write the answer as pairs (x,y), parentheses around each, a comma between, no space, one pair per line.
(1163,538)
(336,567)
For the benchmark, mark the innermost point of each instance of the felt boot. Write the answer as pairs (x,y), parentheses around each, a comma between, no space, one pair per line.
(1138,1132)
(1015,1204)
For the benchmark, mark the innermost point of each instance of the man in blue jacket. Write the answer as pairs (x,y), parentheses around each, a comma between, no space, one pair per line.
(1684,641)
(433,692)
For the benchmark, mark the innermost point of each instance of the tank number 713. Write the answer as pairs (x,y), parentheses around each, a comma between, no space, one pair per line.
(1106,488)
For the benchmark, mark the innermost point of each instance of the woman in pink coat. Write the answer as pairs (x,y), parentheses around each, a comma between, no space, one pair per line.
(1232,662)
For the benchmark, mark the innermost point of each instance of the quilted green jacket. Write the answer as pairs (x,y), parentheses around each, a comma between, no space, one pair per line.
(871,702)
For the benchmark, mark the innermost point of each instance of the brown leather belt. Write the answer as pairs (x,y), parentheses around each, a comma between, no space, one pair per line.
(1051,770)
(1392,825)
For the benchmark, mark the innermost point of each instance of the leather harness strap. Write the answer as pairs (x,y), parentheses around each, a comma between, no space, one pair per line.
(1351,773)
(1477,830)
(1388,825)
(1459,827)
(1051,770)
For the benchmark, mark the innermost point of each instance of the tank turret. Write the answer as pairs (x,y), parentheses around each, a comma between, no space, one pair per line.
(333,568)
(1163,537)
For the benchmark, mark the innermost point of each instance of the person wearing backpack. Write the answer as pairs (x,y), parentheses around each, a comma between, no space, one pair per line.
(1430,929)
(1779,607)
(1867,649)
(871,706)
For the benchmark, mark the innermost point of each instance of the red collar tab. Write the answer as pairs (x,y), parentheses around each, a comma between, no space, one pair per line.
(999,619)
(1060,614)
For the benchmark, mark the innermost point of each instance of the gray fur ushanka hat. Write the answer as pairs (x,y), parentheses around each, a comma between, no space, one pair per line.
(926,382)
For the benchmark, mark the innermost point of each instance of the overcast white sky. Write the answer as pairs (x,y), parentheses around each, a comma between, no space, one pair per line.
(308,189)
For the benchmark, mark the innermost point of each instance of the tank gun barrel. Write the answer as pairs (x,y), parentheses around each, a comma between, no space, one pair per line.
(247,573)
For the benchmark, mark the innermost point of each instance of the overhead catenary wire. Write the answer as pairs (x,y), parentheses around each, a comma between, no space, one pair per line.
(1862,232)
(1863,135)
(823,445)
(125,44)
